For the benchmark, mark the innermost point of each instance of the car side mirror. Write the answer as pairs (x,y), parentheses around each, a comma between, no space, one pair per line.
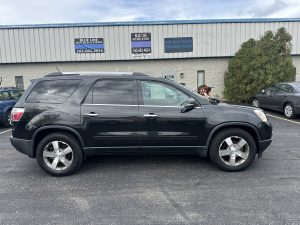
(214,101)
(189,105)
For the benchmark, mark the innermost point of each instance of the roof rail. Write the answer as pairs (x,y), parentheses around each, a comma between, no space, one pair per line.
(139,74)
(58,74)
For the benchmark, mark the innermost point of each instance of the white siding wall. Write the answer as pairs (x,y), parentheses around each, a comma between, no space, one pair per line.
(214,70)
(56,44)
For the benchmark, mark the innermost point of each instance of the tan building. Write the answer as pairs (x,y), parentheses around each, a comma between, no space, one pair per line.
(190,52)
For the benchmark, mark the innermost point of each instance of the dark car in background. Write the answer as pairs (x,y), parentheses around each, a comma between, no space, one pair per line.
(63,118)
(8,98)
(281,97)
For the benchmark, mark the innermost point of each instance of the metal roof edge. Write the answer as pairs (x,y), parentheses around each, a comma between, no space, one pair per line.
(139,23)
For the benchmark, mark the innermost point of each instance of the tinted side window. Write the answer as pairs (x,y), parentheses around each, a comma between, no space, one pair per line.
(286,88)
(155,93)
(271,89)
(115,92)
(4,95)
(16,94)
(52,91)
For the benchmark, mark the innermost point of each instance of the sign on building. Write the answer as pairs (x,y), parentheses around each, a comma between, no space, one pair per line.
(89,45)
(180,44)
(140,43)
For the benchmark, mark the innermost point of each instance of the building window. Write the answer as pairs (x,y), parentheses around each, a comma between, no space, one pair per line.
(19,82)
(200,77)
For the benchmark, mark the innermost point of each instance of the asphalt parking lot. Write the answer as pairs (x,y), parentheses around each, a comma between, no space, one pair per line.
(156,189)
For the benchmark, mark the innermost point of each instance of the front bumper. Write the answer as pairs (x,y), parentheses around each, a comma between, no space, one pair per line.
(23,146)
(263,145)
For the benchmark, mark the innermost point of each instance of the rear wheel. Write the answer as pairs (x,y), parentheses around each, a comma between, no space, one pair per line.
(289,111)
(7,117)
(59,154)
(232,149)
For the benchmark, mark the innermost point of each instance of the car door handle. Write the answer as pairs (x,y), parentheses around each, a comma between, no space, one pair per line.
(92,114)
(150,116)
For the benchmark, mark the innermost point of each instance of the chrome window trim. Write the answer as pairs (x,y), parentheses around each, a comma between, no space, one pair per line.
(157,106)
(108,104)
(162,106)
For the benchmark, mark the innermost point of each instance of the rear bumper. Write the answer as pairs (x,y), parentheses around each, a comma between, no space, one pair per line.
(23,146)
(263,145)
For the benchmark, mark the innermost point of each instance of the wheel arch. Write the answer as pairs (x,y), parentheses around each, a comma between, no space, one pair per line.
(42,132)
(251,129)
(7,109)
(285,103)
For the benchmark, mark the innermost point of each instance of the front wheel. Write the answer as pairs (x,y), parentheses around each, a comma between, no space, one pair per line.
(255,102)
(232,149)
(59,154)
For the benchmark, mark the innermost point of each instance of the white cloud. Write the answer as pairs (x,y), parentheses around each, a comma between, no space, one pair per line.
(60,11)
(271,9)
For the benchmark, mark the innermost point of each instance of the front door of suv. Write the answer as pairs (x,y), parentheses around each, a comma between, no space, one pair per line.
(163,125)
(110,115)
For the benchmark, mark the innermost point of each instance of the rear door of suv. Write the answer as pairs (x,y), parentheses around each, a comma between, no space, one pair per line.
(110,115)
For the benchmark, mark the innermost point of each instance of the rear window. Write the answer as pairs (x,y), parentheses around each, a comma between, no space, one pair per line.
(52,91)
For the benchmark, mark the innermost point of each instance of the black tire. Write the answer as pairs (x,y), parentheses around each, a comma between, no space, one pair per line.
(76,155)
(255,102)
(289,114)
(6,121)
(218,141)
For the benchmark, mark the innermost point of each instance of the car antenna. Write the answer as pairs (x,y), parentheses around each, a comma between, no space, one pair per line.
(59,70)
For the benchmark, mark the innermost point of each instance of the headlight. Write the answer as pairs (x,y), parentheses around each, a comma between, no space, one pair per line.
(261,115)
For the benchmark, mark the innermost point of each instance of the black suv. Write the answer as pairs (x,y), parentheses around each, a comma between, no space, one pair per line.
(64,117)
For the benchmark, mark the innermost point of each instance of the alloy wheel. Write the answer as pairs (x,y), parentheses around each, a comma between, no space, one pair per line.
(234,151)
(58,155)
(288,111)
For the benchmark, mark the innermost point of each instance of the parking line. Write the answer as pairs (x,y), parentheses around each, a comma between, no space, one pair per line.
(5,131)
(277,117)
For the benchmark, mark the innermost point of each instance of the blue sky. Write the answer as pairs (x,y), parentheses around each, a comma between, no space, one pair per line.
(73,11)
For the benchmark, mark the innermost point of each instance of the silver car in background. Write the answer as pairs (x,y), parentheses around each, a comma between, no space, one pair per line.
(282,97)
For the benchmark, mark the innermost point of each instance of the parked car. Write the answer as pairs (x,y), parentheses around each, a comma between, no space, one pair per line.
(8,98)
(63,118)
(282,97)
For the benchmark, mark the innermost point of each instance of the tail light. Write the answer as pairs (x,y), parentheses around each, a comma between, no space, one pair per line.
(16,114)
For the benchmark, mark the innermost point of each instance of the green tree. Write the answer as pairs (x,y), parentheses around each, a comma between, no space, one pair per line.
(258,64)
